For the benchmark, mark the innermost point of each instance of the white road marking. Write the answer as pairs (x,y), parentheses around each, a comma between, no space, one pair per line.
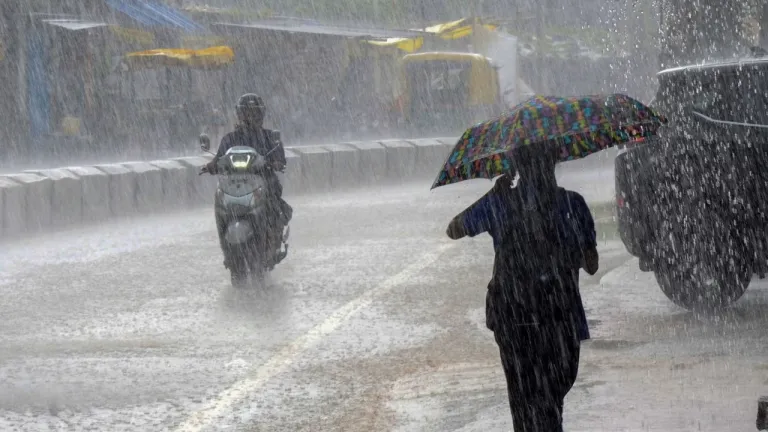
(239,391)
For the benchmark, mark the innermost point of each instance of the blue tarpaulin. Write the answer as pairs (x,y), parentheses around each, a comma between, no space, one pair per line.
(154,14)
(38,88)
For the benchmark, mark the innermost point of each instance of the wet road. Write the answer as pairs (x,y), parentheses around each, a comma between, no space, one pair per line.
(373,323)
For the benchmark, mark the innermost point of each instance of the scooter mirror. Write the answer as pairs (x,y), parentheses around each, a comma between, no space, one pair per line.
(205,142)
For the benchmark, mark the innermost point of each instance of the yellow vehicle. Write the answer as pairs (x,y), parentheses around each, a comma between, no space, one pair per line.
(447,92)
(169,94)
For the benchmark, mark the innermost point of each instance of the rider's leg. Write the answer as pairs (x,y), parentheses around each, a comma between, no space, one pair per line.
(221,228)
(277,192)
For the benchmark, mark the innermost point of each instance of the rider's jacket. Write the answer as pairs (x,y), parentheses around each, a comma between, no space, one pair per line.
(260,139)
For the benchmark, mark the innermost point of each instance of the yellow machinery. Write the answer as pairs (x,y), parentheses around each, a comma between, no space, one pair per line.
(174,92)
(208,58)
(448,90)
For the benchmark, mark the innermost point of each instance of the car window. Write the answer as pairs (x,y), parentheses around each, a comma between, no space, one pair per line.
(738,96)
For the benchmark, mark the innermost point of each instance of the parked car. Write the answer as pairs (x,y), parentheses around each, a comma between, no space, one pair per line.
(691,202)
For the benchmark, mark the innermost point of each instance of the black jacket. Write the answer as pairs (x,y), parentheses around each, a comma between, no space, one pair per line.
(261,140)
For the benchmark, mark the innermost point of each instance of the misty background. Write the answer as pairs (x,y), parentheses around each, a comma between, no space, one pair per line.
(65,96)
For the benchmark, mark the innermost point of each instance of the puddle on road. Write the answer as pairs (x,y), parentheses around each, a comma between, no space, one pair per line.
(447,398)
(371,332)
(612,344)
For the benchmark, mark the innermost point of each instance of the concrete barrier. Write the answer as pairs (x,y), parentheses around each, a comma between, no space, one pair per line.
(401,159)
(94,186)
(122,189)
(174,183)
(12,212)
(66,196)
(293,177)
(149,186)
(34,200)
(316,165)
(373,162)
(37,191)
(448,142)
(345,166)
(200,188)
(430,157)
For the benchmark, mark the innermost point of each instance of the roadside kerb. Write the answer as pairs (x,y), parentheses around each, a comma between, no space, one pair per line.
(149,186)
(345,166)
(12,216)
(42,198)
(175,184)
(401,159)
(293,178)
(373,162)
(122,189)
(200,188)
(37,191)
(316,165)
(430,156)
(66,196)
(94,186)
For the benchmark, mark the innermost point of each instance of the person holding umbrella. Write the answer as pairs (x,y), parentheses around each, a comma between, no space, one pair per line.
(542,236)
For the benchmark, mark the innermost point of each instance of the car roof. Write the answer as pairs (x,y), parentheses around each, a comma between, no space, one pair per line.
(722,64)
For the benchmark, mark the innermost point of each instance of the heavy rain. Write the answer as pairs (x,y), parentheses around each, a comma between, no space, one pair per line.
(383,215)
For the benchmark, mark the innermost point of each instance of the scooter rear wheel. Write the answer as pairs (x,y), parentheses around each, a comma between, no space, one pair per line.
(238,278)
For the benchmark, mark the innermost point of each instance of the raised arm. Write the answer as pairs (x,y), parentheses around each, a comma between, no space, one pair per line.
(476,219)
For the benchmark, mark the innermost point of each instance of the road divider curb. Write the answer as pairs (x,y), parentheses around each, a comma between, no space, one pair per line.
(345,166)
(66,196)
(34,210)
(94,185)
(122,189)
(200,189)
(373,162)
(316,166)
(44,199)
(12,216)
(174,183)
(149,186)
(401,160)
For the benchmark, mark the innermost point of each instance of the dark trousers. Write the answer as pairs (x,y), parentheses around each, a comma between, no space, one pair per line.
(541,363)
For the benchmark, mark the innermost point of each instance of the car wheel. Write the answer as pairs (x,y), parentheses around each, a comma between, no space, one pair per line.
(704,287)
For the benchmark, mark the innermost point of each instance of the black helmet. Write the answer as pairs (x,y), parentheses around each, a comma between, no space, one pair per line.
(250,109)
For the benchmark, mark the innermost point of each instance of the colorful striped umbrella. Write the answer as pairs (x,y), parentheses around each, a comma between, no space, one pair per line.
(575,126)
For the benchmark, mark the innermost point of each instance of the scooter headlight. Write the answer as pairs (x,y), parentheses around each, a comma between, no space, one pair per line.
(240,161)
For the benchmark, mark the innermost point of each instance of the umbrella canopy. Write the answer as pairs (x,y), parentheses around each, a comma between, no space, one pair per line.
(575,127)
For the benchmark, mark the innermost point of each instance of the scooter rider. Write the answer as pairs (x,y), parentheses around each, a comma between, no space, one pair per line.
(250,133)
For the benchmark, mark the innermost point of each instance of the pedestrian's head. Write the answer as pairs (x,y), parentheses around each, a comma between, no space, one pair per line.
(537,181)
(250,110)
(536,166)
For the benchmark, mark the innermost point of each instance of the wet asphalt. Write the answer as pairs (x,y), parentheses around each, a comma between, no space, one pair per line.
(374,322)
